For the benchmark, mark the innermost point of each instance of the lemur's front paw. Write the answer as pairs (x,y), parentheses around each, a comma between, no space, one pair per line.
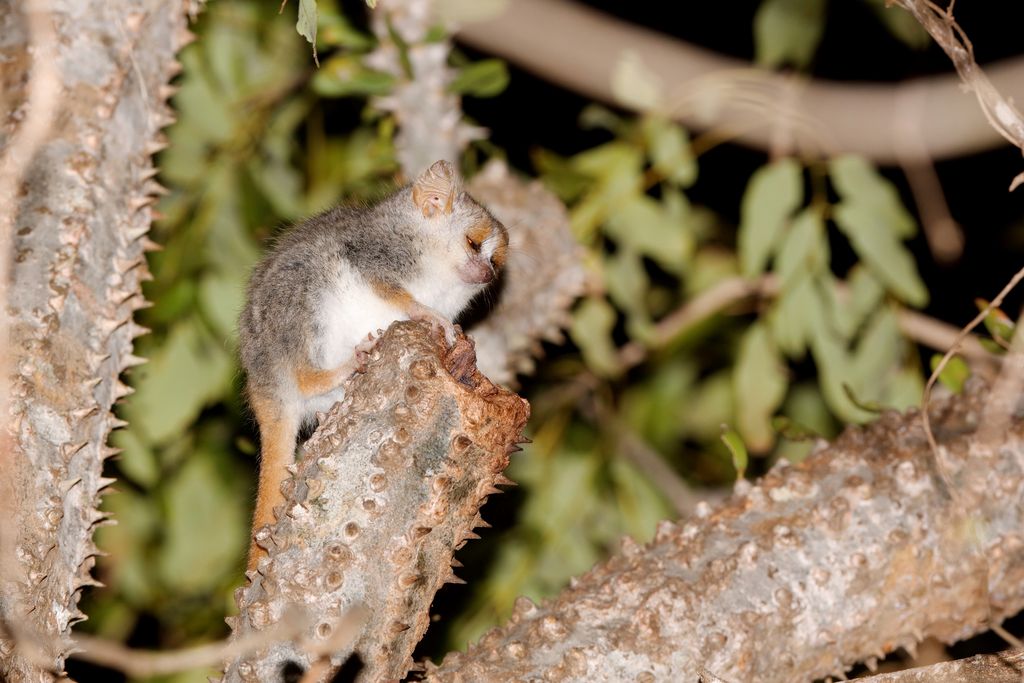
(437,322)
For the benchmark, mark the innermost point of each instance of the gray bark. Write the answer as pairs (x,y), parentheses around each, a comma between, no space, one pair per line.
(387,489)
(77,264)
(857,551)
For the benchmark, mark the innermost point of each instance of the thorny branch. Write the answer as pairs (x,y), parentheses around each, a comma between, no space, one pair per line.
(797,576)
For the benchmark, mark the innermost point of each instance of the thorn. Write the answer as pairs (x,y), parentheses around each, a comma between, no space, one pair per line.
(502,480)
(174,68)
(131,360)
(513,448)
(409,580)
(96,359)
(149,173)
(91,383)
(167,91)
(69,449)
(454,579)
(108,326)
(186,37)
(470,536)
(123,265)
(139,302)
(109,452)
(67,485)
(155,188)
(157,144)
(116,423)
(138,330)
(121,389)
(137,203)
(135,233)
(83,413)
(479,523)
(396,627)
(456,564)
(524,439)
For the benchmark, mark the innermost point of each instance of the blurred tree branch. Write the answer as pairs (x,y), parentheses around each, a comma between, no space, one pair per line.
(705,90)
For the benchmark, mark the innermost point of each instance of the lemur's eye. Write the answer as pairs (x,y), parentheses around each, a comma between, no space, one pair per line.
(473,244)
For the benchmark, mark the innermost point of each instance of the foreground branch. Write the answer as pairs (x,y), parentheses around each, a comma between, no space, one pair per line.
(729,95)
(78,224)
(853,553)
(1005,667)
(388,487)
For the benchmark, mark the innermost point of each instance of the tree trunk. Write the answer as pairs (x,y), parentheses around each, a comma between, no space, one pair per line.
(76,265)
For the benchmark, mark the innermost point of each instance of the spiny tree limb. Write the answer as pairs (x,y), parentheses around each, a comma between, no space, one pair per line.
(387,489)
(853,553)
(77,263)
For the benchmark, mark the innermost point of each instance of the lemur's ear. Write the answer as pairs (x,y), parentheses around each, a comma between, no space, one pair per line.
(436,188)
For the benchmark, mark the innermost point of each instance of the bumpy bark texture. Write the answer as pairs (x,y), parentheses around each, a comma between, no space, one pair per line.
(428,115)
(387,489)
(857,551)
(543,276)
(1005,667)
(77,266)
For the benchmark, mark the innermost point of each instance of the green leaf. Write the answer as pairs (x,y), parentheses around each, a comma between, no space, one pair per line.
(882,251)
(221,299)
(669,149)
(954,374)
(862,297)
(857,182)
(793,430)
(804,250)
(188,372)
(127,569)
(642,224)
(345,75)
(759,382)
(628,285)
(772,195)
(702,413)
(591,330)
(597,116)
(486,78)
(877,355)
(998,324)
(788,31)
(901,24)
(206,525)
(559,176)
(734,442)
(834,366)
(793,317)
(138,462)
(306,25)
(904,388)
(618,168)
(337,31)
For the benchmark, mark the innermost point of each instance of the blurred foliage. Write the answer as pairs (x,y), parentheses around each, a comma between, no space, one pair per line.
(265,138)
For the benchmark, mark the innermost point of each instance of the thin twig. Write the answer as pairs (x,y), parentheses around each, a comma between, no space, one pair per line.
(147,663)
(953,350)
(1000,112)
